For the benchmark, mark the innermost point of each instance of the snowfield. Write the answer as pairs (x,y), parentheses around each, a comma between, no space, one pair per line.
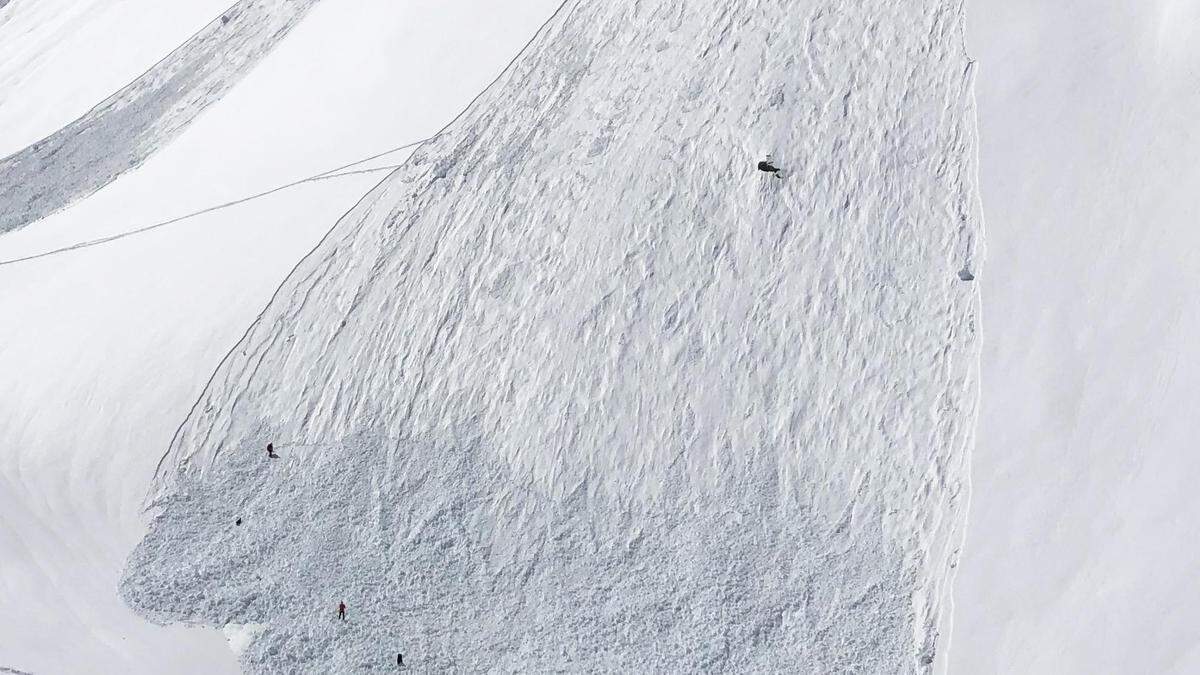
(578,367)
(59,58)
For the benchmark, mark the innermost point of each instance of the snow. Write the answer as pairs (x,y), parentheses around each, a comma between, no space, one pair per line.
(605,397)
(240,636)
(579,368)
(109,346)
(120,132)
(58,58)
(82,445)
(1080,554)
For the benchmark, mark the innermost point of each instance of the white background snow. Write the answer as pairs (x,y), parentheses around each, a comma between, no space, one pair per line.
(1079,554)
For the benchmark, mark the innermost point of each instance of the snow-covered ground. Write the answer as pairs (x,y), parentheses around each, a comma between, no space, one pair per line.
(103,350)
(578,387)
(1081,553)
(692,423)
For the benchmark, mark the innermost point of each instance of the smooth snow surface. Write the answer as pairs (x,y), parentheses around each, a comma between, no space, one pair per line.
(579,388)
(1081,554)
(103,350)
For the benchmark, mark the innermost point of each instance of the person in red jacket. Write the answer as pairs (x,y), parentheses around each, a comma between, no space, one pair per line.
(342,611)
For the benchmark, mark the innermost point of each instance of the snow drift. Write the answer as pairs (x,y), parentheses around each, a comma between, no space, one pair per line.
(577,387)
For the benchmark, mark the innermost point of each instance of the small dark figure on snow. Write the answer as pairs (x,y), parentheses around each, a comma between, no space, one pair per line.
(767,166)
(271,452)
(400,660)
(342,611)
(238,521)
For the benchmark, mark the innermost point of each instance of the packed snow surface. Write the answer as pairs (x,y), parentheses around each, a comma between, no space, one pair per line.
(1082,475)
(579,388)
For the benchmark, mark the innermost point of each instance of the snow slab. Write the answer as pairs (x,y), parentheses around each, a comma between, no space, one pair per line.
(240,636)
(104,350)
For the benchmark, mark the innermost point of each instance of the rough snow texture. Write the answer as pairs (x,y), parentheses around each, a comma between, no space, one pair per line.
(579,388)
(123,130)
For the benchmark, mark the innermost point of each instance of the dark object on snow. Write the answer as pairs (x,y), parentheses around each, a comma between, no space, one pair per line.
(767,166)
(965,275)
(400,659)
(342,611)
(238,521)
(271,451)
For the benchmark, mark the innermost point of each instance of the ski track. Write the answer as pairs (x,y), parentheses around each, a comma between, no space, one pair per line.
(578,388)
(121,132)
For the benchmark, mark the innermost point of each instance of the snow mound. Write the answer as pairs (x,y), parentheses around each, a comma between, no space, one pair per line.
(580,388)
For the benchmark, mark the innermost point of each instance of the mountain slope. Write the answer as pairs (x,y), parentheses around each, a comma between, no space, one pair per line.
(578,387)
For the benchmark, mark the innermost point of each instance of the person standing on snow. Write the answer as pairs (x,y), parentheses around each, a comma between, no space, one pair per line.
(342,611)
(271,452)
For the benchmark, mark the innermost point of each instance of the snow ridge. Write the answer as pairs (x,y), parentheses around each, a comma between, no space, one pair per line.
(578,388)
